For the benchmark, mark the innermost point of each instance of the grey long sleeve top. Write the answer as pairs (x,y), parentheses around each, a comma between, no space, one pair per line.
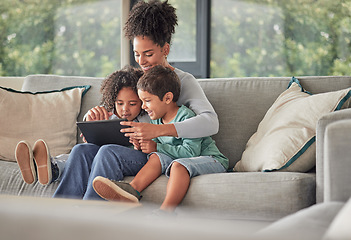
(205,123)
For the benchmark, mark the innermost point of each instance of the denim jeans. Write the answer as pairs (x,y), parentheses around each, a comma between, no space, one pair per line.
(87,161)
(195,165)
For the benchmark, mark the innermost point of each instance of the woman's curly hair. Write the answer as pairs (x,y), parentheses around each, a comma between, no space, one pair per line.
(154,19)
(110,87)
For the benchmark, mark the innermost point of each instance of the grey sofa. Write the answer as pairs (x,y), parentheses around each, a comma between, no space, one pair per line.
(331,217)
(240,103)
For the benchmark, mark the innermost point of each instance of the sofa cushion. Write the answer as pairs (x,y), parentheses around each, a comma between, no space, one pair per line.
(285,138)
(44,82)
(249,195)
(49,115)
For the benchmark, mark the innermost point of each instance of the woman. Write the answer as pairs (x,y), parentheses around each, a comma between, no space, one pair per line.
(150,26)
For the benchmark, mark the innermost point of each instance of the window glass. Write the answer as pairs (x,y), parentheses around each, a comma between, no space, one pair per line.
(66,37)
(280,38)
(183,47)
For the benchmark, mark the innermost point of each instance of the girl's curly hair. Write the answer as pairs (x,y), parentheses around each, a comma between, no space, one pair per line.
(110,87)
(154,19)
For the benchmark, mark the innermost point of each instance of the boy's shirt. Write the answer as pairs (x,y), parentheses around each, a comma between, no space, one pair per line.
(188,147)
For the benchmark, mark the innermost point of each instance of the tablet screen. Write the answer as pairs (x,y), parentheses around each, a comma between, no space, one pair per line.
(104,132)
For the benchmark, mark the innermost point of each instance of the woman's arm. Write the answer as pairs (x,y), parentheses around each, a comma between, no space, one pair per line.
(205,123)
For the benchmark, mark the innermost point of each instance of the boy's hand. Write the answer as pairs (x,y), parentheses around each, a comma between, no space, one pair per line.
(148,146)
(135,142)
(98,113)
(147,131)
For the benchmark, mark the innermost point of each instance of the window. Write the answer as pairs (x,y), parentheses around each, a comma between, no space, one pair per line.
(189,47)
(280,38)
(66,37)
(218,38)
(87,39)
(189,50)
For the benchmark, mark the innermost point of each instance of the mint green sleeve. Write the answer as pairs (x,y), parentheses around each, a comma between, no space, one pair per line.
(188,148)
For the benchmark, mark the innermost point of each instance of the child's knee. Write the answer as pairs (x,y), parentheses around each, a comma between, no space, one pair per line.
(154,157)
(176,166)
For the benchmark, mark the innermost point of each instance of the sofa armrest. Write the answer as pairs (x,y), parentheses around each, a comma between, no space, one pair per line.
(320,135)
(337,161)
(340,227)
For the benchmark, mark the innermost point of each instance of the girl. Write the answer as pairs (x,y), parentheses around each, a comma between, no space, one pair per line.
(119,98)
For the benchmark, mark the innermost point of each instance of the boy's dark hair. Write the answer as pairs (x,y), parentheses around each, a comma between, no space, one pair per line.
(160,80)
(110,87)
(154,19)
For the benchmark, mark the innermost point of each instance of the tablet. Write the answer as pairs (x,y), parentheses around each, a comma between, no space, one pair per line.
(104,132)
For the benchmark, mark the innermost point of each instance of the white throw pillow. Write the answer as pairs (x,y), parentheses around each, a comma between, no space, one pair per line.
(30,116)
(285,138)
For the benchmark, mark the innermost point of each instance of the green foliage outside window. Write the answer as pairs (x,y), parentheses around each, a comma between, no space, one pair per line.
(248,37)
(281,38)
(67,37)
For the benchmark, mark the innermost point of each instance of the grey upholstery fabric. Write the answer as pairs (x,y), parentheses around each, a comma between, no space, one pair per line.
(340,227)
(244,195)
(11,183)
(331,218)
(337,161)
(240,103)
(320,147)
(307,224)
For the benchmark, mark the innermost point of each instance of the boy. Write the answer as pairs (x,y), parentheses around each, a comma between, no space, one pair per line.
(179,158)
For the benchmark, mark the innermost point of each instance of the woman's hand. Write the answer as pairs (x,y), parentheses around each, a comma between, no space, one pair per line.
(98,113)
(148,131)
(148,146)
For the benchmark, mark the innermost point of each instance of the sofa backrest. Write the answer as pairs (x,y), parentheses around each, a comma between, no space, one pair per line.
(240,103)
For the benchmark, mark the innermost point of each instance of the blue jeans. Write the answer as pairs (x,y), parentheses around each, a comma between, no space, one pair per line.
(87,161)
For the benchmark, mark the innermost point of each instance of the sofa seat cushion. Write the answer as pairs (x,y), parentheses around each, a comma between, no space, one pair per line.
(251,195)
(243,195)
(11,182)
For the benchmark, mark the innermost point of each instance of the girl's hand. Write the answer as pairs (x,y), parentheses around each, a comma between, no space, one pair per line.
(98,113)
(83,138)
(148,146)
(148,131)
